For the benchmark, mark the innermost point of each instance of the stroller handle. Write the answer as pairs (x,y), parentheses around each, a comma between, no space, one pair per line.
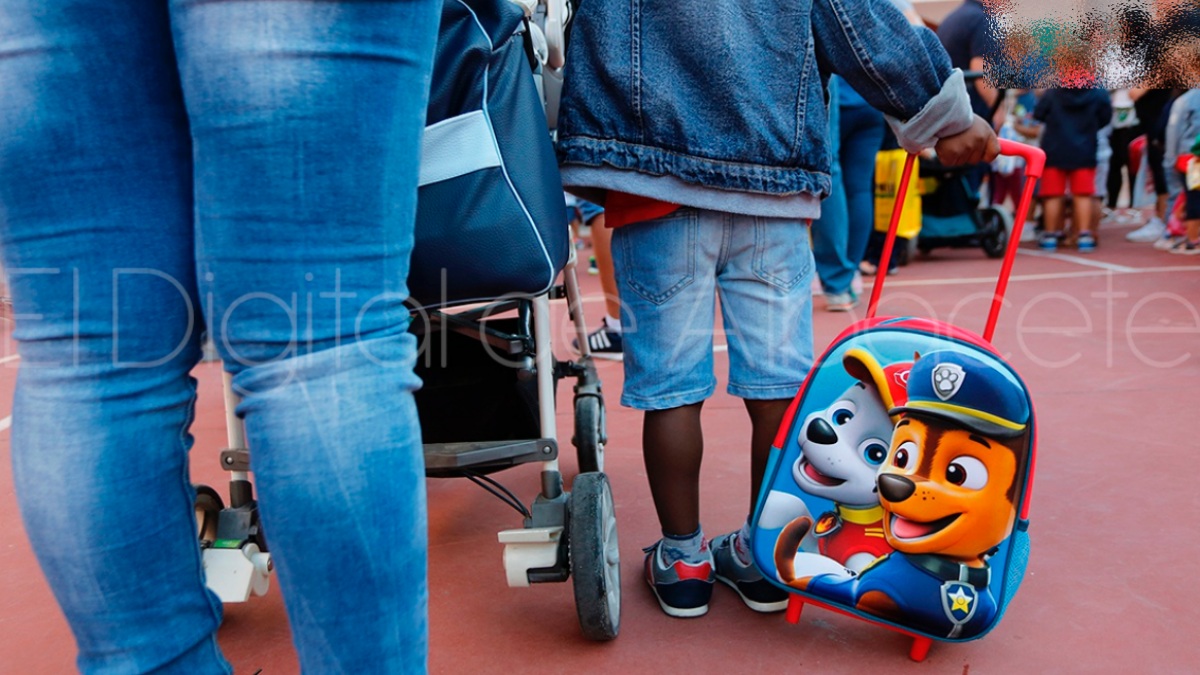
(1035,162)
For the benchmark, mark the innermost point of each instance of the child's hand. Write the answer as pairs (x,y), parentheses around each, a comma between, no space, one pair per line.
(973,146)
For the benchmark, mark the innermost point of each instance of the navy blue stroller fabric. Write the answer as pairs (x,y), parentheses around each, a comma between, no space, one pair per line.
(490,212)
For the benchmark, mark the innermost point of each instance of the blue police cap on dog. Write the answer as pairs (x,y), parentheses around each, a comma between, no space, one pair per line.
(961,388)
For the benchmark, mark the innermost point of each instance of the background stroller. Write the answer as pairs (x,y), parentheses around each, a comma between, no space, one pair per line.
(951,211)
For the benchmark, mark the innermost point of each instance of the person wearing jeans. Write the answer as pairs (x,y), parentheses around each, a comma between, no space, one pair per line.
(847,219)
(249,167)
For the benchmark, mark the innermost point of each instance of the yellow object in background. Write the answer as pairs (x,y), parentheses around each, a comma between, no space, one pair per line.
(889,164)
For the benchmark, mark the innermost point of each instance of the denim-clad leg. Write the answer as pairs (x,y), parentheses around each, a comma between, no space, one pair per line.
(95,216)
(861,137)
(831,231)
(306,118)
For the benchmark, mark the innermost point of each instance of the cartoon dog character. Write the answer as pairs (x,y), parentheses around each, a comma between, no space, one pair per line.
(841,450)
(948,489)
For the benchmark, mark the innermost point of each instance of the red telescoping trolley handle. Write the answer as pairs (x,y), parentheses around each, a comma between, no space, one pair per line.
(1035,162)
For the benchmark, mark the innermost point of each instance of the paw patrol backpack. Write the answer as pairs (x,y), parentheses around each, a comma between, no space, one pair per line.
(898,486)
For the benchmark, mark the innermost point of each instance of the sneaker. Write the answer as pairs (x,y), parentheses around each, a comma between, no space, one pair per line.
(1048,242)
(1167,242)
(841,302)
(1184,247)
(593,268)
(683,589)
(1150,232)
(1120,217)
(856,284)
(1085,242)
(603,343)
(1029,233)
(759,594)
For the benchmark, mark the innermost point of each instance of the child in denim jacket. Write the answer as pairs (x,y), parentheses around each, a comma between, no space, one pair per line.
(702,128)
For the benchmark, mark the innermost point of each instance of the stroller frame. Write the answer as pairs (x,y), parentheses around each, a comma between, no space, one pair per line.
(564,534)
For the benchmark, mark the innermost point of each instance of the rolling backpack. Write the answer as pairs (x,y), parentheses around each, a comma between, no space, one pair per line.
(898,487)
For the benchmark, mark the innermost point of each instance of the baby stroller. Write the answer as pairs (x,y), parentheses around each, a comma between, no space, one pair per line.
(481,290)
(951,215)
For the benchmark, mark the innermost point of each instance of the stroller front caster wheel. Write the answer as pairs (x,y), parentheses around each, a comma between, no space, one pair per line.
(208,512)
(590,435)
(595,557)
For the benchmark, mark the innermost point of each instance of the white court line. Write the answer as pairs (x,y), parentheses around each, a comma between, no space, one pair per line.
(6,423)
(1078,260)
(13,357)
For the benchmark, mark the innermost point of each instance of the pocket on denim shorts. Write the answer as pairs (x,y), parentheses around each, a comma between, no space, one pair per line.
(782,256)
(659,256)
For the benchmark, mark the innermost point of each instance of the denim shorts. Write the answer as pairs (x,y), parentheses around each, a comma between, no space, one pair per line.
(671,272)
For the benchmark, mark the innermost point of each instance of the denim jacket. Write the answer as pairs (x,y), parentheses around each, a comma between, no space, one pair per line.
(721,104)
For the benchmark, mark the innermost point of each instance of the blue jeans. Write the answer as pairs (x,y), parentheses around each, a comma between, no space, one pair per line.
(841,234)
(672,270)
(250,166)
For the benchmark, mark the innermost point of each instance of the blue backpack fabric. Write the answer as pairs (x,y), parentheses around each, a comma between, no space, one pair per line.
(490,212)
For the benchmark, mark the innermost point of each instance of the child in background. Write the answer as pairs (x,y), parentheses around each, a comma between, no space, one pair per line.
(709,149)
(1072,120)
(1190,209)
(605,341)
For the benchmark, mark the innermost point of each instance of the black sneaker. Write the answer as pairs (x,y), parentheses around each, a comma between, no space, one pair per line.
(682,588)
(603,343)
(759,594)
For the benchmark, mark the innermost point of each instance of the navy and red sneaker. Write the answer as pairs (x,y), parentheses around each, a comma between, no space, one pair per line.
(759,594)
(683,588)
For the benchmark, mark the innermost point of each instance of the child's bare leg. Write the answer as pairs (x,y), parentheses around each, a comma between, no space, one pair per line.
(1052,210)
(672,448)
(602,247)
(1081,217)
(765,418)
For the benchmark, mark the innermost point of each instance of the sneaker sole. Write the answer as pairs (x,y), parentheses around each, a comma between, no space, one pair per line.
(607,356)
(677,612)
(764,607)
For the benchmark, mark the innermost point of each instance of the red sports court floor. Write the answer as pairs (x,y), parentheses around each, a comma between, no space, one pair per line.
(1109,344)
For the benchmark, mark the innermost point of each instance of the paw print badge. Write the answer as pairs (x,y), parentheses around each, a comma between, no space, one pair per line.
(947,380)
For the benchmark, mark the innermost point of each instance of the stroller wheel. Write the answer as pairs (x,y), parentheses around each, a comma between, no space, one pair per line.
(590,435)
(993,235)
(208,512)
(595,558)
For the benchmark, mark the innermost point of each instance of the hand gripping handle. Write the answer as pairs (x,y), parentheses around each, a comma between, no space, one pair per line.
(1035,163)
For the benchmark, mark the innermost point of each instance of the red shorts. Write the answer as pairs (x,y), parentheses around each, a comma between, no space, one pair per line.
(1055,181)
